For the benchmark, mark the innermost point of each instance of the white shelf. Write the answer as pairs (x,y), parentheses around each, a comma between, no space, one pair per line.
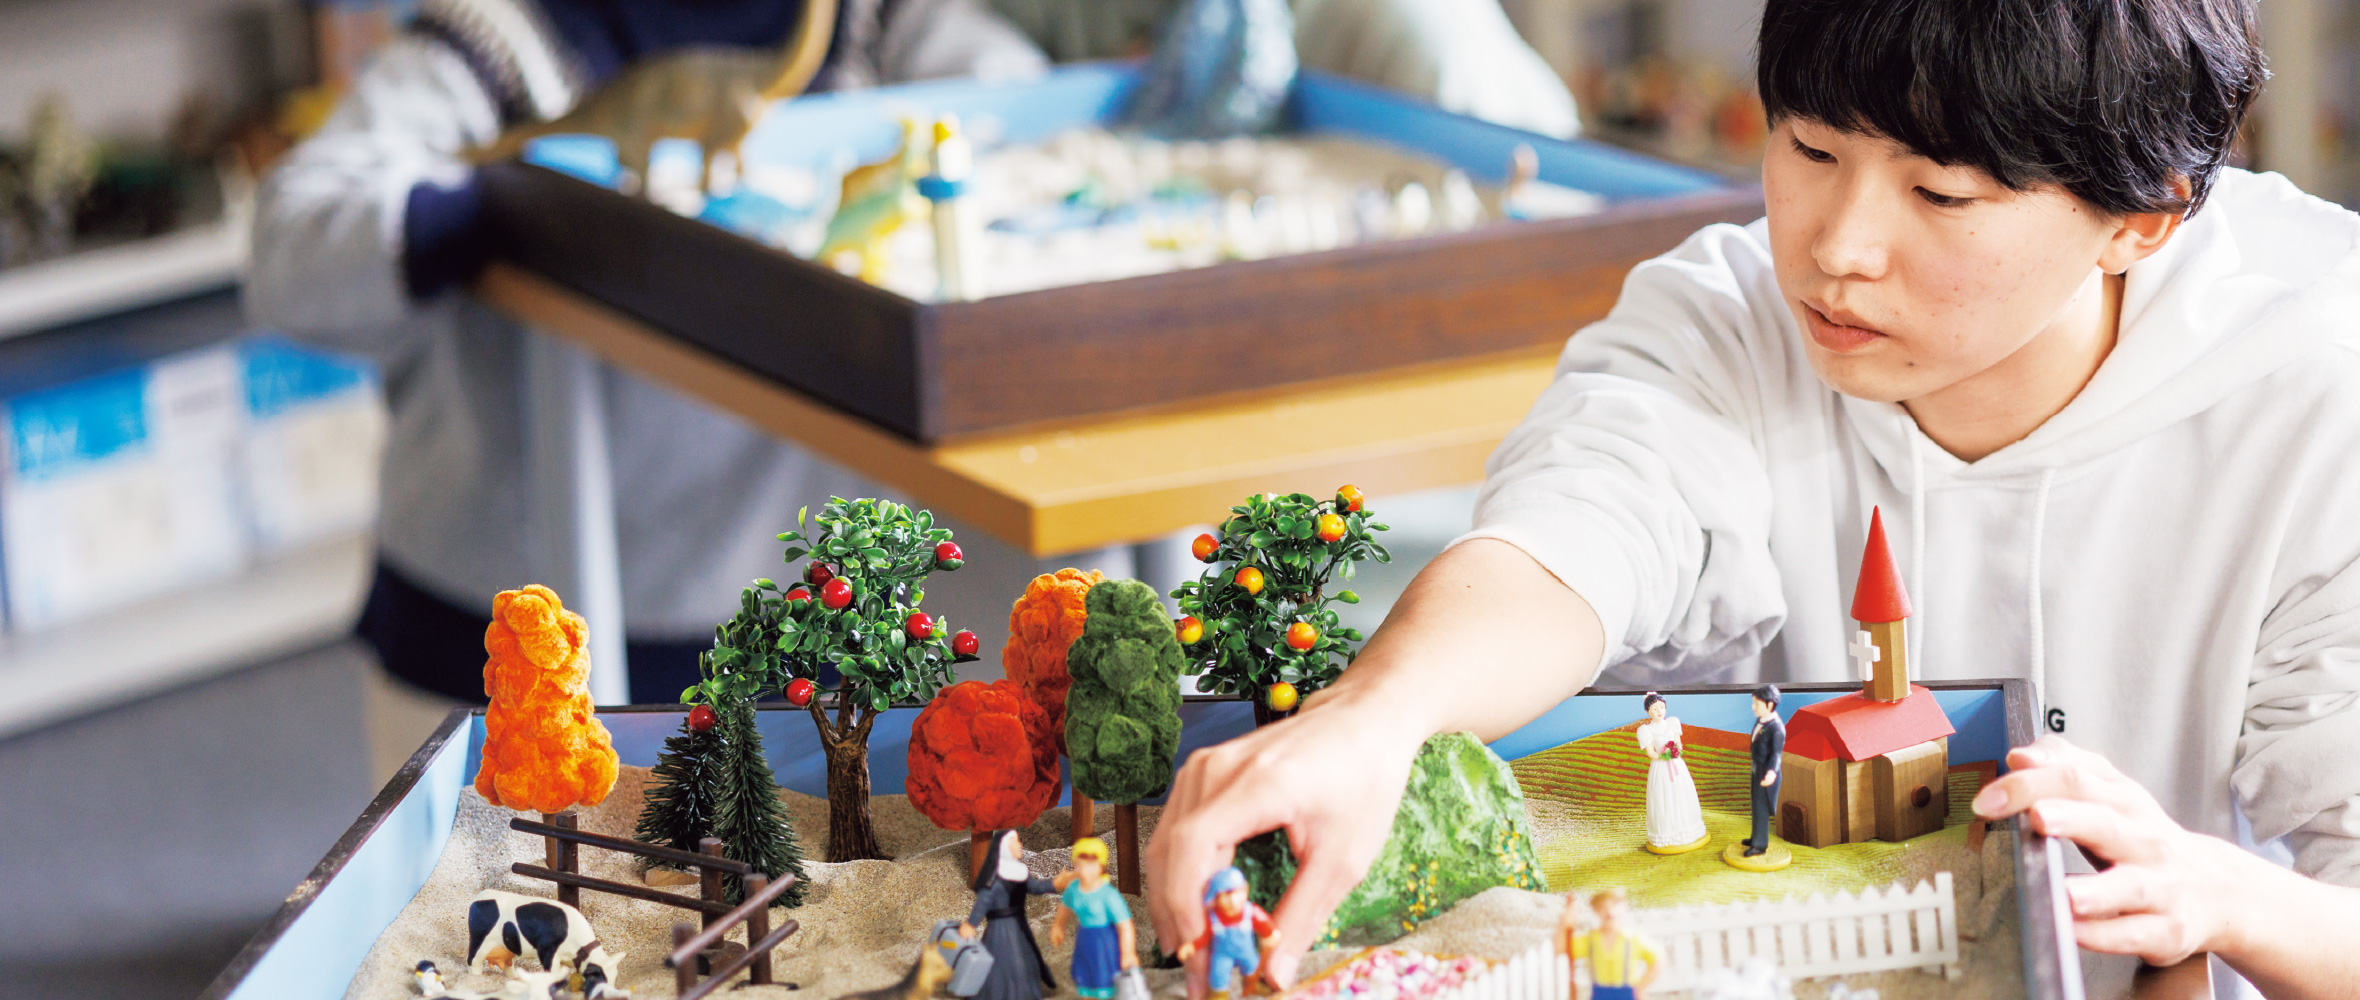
(298,601)
(98,282)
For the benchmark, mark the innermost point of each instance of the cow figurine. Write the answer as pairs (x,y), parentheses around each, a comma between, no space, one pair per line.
(502,925)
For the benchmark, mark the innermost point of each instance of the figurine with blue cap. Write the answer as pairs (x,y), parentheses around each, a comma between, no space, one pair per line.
(1237,936)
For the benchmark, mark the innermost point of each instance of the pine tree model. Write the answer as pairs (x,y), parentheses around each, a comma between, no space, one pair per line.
(747,814)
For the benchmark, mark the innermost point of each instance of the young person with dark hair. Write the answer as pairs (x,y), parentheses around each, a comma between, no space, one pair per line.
(2104,386)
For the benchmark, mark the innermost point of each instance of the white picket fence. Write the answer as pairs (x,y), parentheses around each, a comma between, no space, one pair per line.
(1877,930)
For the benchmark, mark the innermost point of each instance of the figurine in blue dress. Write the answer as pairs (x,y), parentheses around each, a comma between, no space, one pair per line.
(1105,942)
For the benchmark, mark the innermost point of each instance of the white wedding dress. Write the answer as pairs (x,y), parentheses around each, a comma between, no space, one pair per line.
(1674,819)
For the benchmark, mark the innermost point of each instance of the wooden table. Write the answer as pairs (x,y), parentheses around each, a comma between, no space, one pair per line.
(1047,490)
(1065,488)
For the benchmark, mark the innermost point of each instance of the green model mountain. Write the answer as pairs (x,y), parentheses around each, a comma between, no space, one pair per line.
(1460,830)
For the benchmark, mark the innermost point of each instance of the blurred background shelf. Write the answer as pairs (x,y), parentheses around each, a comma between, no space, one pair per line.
(127,276)
(299,601)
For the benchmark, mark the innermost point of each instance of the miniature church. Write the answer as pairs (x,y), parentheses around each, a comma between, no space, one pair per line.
(1870,765)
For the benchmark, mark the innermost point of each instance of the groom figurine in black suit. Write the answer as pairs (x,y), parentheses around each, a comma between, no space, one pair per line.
(1759,852)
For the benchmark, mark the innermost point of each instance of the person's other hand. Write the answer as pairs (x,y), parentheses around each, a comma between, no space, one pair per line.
(1056,933)
(2166,893)
(1331,777)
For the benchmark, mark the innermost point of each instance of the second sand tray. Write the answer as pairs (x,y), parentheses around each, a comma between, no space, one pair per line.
(933,371)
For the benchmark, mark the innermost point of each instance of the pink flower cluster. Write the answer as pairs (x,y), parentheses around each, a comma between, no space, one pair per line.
(1386,974)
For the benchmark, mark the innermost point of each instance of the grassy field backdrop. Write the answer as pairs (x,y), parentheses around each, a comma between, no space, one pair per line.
(1589,805)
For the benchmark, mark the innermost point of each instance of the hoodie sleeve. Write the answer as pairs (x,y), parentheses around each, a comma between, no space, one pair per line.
(330,227)
(1637,479)
(2298,762)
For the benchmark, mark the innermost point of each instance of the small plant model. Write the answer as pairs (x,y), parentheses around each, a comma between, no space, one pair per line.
(1260,622)
(1041,625)
(856,611)
(1122,721)
(543,747)
(981,760)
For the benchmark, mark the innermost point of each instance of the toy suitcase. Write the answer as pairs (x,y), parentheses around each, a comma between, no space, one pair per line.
(968,961)
(1130,984)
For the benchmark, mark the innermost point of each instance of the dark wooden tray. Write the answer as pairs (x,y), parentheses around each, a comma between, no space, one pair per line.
(931,371)
(936,371)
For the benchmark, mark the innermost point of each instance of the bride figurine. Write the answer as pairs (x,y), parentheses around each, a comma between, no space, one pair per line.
(1675,822)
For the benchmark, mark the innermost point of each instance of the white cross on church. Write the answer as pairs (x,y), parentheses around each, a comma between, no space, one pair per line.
(1866,652)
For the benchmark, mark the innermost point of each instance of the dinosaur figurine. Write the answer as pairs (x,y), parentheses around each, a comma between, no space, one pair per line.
(879,198)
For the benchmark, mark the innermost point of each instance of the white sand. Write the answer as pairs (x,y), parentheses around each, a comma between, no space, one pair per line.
(861,924)
(864,921)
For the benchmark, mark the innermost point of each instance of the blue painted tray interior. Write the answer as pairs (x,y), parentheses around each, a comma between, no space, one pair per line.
(823,132)
(319,952)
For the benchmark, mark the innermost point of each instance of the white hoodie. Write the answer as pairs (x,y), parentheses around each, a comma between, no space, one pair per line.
(2173,560)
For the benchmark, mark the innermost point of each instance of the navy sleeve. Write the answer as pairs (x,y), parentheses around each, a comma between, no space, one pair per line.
(445,241)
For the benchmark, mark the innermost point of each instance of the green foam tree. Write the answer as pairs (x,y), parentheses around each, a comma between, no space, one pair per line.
(1122,715)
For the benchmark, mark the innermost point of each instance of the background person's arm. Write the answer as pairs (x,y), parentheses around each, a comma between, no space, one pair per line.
(334,252)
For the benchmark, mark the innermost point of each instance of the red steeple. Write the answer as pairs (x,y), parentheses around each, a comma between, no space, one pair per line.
(1879,596)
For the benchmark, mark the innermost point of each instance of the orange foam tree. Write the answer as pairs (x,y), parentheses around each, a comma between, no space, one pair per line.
(543,749)
(979,760)
(1042,624)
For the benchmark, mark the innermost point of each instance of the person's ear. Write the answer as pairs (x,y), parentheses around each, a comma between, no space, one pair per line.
(2139,234)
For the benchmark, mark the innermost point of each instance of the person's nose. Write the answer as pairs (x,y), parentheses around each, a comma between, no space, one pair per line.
(1854,241)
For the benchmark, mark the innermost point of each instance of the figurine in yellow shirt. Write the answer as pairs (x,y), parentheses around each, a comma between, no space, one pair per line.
(1611,948)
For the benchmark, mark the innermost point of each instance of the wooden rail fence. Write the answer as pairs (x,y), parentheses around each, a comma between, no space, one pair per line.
(725,958)
(688,942)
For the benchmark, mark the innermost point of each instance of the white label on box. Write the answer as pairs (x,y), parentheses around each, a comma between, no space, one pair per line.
(121,487)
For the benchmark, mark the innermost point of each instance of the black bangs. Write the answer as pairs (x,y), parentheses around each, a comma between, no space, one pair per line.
(2114,100)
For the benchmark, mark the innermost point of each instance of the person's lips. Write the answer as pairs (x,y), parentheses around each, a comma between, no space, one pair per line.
(1837,331)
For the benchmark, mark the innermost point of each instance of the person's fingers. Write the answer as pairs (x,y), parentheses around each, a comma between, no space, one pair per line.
(1197,966)
(1176,855)
(2101,829)
(2117,891)
(1228,801)
(2159,939)
(1325,877)
(2068,774)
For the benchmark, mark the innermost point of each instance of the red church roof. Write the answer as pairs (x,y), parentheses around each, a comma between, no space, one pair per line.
(1856,727)
(1878,597)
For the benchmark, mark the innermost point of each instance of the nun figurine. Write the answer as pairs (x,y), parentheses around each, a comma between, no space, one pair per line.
(1018,971)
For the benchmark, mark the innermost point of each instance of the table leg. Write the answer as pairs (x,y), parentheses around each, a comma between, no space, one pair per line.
(571,474)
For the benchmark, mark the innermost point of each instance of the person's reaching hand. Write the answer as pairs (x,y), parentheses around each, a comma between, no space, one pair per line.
(1331,777)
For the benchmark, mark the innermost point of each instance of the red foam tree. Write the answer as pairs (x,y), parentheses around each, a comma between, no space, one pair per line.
(975,763)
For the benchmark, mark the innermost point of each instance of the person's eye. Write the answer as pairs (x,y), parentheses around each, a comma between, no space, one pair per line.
(1813,155)
(1939,200)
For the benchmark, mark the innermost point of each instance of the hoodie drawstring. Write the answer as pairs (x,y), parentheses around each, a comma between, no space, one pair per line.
(1917,544)
(2039,673)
